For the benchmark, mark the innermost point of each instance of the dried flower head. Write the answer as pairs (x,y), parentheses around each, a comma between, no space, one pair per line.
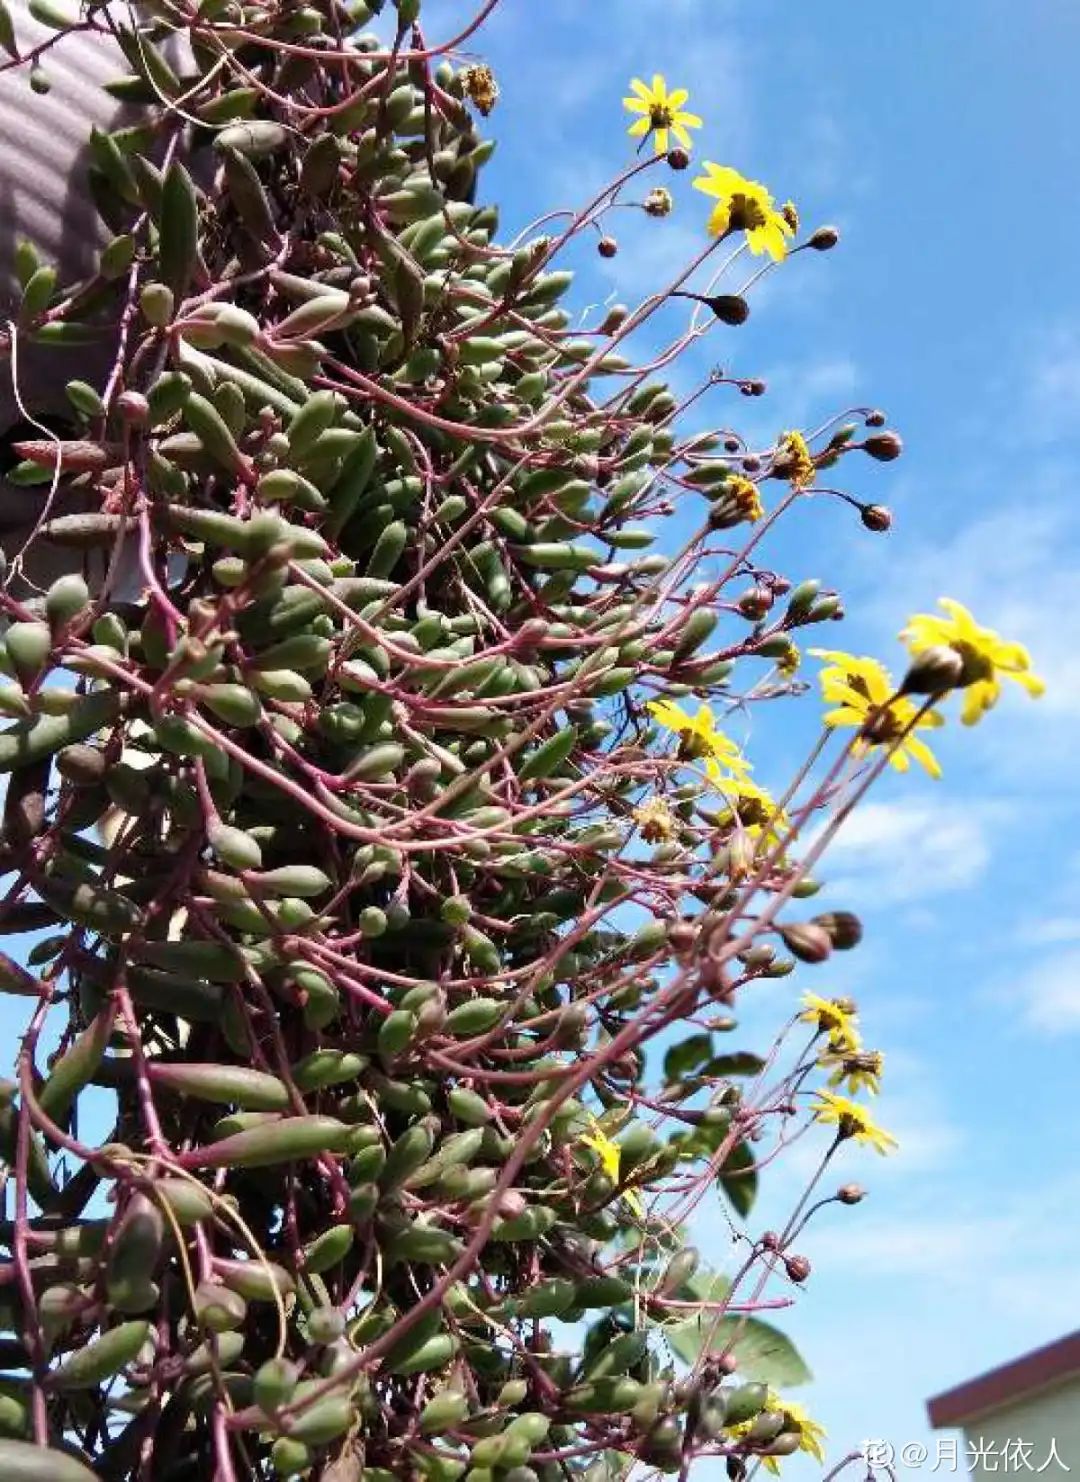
(480,86)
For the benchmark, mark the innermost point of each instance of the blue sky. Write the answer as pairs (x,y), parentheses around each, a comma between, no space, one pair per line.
(941,139)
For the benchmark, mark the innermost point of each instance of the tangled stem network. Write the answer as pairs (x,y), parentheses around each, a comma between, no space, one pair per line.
(393,866)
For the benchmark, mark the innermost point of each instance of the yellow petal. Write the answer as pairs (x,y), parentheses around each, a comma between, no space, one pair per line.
(635,105)
(659,87)
(677,98)
(639,127)
(691,120)
(681,134)
(960,615)
(641,88)
(924,756)
(845,716)
(661,141)
(978,699)
(719,220)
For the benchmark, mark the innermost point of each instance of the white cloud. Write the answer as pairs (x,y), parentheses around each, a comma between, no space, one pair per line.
(1050,992)
(900,852)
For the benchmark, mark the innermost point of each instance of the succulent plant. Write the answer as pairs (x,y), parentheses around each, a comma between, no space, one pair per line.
(359,876)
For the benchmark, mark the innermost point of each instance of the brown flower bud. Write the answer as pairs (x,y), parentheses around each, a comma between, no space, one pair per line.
(884,446)
(616,316)
(850,1194)
(607,247)
(875,418)
(729,308)
(797,1267)
(752,388)
(824,238)
(755,603)
(809,943)
(770,1240)
(876,517)
(843,928)
(678,159)
(934,671)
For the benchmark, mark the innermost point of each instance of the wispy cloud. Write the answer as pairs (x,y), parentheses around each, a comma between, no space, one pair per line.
(1050,992)
(907,850)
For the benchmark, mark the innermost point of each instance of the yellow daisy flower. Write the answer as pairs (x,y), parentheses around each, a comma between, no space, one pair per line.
(985,656)
(700,735)
(834,1017)
(744,205)
(662,113)
(857,1070)
(864,695)
(852,1120)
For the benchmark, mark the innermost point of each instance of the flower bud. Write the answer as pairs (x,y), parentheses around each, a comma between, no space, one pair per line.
(934,671)
(607,247)
(875,418)
(808,942)
(730,308)
(876,517)
(825,238)
(755,603)
(850,1194)
(678,159)
(797,1267)
(843,928)
(884,446)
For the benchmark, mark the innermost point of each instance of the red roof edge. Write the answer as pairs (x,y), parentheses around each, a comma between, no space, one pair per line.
(1007,1384)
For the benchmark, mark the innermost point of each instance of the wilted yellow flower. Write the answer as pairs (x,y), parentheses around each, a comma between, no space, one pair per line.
(658,202)
(798,461)
(610,1157)
(857,1070)
(852,1120)
(790,212)
(655,820)
(834,1017)
(480,86)
(744,205)
(746,496)
(700,735)
(662,113)
(985,656)
(865,696)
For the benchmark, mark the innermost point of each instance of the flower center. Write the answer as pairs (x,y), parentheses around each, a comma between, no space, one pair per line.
(746,213)
(977,665)
(660,116)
